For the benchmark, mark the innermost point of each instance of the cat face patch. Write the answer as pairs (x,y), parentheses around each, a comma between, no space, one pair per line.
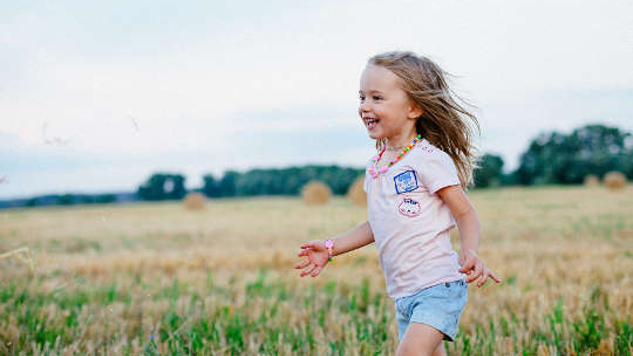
(409,207)
(406,182)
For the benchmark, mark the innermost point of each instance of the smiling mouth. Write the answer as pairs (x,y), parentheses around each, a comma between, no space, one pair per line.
(371,123)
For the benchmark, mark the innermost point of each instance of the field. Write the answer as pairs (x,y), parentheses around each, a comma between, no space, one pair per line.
(156,279)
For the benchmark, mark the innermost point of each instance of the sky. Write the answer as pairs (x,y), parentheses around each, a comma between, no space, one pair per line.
(97,96)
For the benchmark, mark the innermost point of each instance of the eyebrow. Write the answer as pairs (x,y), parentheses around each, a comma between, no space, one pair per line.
(371,91)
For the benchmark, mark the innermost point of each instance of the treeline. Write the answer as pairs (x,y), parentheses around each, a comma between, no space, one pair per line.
(287,181)
(70,199)
(556,158)
(551,158)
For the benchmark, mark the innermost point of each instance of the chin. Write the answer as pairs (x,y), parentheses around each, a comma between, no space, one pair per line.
(374,136)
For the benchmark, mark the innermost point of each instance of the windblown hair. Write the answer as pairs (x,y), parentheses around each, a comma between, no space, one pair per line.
(444,123)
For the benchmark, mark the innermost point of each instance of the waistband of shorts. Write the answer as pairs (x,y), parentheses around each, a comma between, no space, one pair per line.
(458,281)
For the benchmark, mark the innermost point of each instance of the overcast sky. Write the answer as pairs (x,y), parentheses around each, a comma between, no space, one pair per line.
(96,96)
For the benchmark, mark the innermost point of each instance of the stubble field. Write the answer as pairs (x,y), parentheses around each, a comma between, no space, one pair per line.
(150,279)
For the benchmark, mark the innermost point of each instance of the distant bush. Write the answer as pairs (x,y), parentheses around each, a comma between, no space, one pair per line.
(163,186)
(490,171)
(67,199)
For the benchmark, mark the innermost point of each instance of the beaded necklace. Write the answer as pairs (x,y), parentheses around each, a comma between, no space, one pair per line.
(376,172)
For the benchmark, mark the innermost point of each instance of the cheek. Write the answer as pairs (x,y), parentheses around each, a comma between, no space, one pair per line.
(385,111)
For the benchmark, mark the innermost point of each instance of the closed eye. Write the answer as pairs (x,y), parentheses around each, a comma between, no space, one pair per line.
(375,98)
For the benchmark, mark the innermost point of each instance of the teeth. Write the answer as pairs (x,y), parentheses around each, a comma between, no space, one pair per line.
(371,123)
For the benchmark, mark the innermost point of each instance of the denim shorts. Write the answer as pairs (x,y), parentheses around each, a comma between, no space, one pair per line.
(439,306)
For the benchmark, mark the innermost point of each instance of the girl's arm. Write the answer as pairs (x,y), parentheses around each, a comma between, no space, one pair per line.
(317,255)
(357,237)
(469,231)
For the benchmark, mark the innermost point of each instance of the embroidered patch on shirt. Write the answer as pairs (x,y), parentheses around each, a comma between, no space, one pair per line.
(406,182)
(409,207)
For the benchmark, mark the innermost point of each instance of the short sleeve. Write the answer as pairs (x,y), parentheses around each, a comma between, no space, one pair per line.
(438,170)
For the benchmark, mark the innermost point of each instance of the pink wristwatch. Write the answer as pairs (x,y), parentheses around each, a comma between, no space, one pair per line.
(329,244)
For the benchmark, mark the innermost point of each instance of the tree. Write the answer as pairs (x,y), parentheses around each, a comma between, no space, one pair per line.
(490,171)
(177,186)
(286,181)
(161,186)
(228,184)
(66,199)
(563,159)
(211,187)
(626,162)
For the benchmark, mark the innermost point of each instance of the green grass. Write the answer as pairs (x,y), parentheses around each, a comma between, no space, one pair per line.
(200,328)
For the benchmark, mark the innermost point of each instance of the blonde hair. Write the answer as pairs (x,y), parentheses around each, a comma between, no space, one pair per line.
(444,123)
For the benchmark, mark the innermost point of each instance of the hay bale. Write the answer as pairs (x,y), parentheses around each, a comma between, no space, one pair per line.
(194,201)
(614,180)
(356,194)
(316,192)
(592,180)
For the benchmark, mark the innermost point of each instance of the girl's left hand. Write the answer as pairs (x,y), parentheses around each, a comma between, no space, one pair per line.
(474,267)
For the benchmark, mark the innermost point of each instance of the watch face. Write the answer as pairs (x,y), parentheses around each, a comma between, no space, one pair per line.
(329,243)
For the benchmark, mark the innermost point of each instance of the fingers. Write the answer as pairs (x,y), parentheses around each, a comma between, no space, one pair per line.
(483,279)
(474,268)
(309,244)
(494,277)
(308,270)
(476,272)
(468,265)
(315,270)
(488,273)
(303,264)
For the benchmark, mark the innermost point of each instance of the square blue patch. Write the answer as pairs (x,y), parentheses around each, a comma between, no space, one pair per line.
(406,182)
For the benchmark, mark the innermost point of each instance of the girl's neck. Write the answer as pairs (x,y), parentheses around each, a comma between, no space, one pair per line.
(395,148)
(399,143)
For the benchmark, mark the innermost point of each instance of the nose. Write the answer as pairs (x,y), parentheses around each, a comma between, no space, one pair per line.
(364,107)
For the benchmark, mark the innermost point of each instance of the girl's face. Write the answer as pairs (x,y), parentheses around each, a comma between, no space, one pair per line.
(385,108)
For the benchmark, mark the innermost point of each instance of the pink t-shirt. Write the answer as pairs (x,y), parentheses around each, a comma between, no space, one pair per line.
(411,224)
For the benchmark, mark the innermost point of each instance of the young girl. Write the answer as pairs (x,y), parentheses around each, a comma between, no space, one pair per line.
(415,192)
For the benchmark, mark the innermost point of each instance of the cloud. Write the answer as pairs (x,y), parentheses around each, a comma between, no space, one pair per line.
(136,84)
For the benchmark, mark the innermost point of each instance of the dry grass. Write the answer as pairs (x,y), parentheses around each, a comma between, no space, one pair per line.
(316,193)
(550,245)
(22,254)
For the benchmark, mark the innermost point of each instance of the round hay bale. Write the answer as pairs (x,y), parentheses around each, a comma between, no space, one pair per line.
(315,193)
(194,201)
(592,180)
(356,194)
(614,180)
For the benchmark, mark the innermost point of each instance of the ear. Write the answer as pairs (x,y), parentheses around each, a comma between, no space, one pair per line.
(415,110)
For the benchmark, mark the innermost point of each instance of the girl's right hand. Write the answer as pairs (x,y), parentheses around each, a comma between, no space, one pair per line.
(316,258)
